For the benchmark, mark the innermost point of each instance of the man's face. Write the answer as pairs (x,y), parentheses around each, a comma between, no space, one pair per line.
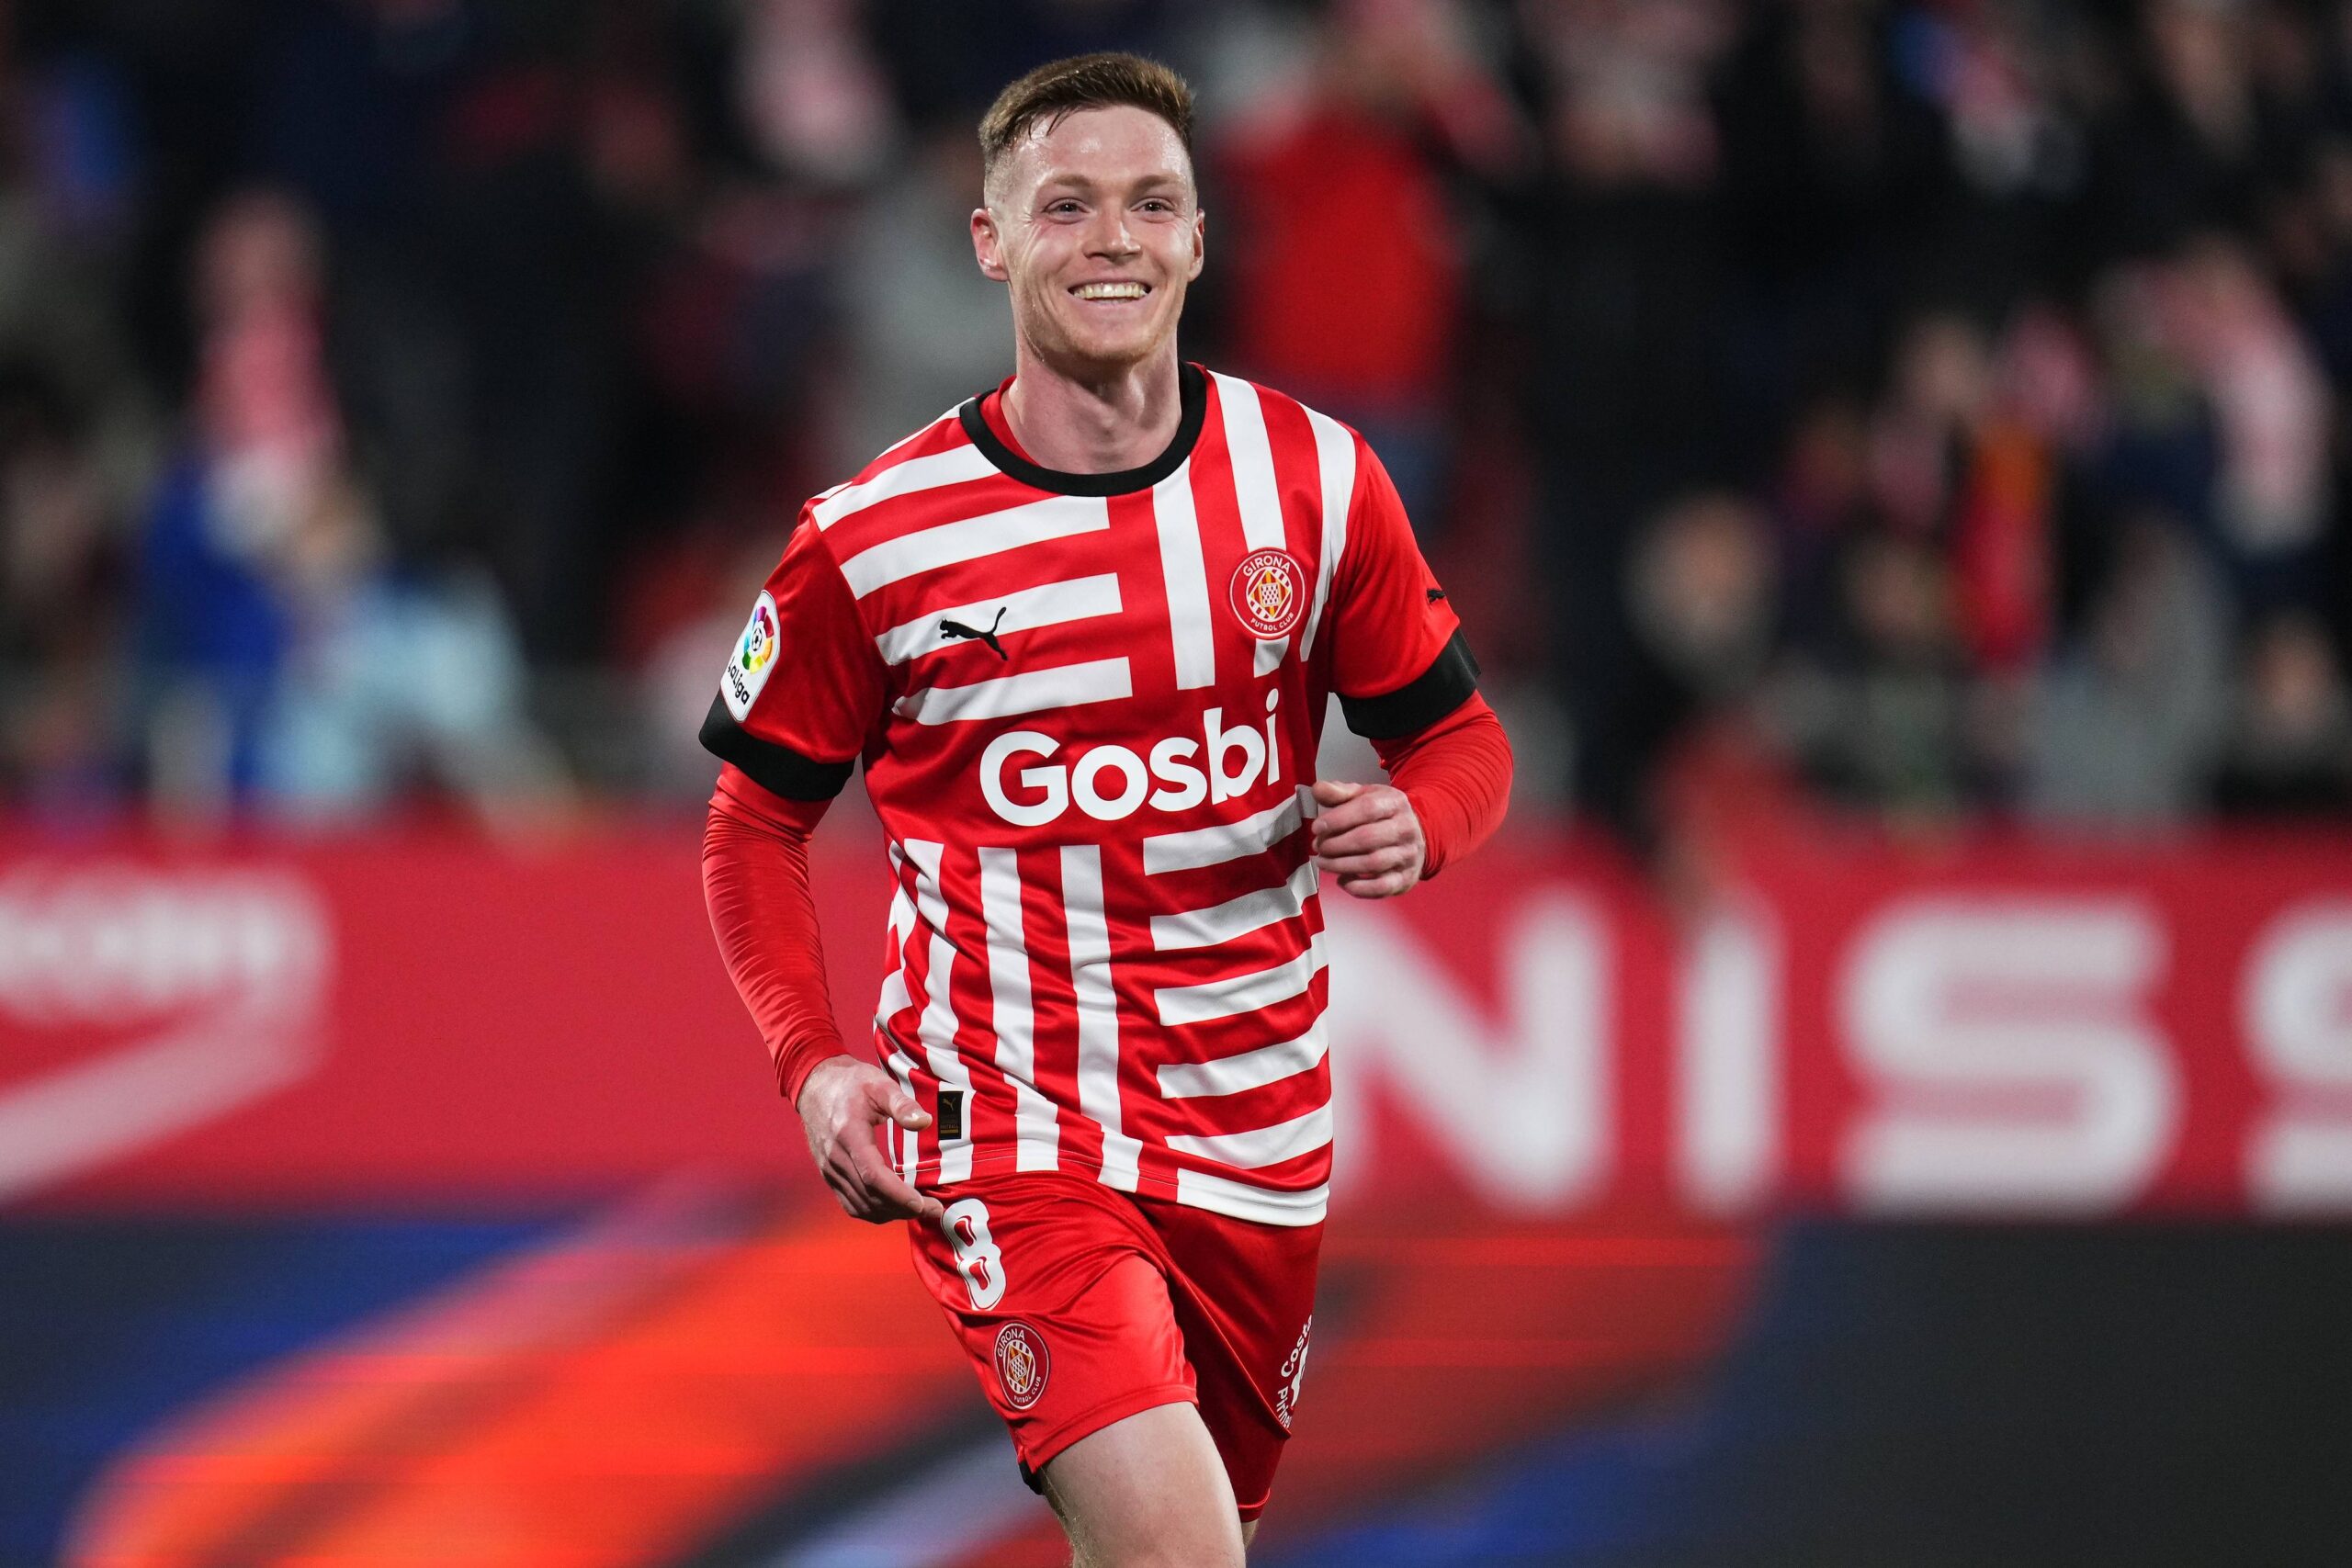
(1095,226)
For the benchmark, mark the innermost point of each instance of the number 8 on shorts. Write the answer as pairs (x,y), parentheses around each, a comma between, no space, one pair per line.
(965,1225)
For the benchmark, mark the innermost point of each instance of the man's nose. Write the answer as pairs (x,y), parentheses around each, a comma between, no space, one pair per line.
(1110,236)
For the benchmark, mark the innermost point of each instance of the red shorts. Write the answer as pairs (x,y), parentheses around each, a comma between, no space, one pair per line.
(1081,1305)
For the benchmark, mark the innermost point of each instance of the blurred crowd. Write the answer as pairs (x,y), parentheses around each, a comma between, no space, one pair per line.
(1932,411)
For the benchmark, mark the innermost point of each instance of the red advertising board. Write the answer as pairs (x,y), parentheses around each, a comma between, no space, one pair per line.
(1999,1026)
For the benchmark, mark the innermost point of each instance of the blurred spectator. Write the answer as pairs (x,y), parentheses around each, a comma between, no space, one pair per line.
(2187,153)
(54,523)
(1702,591)
(1954,464)
(2161,449)
(1821,497)
(1337,173)
(258,482)
(2290,752)
(2129,719)
(2311,238)
(60,569)
(2274,419)
(812,96)
(402,685)
(929,329)
(288,666)
(1885,724)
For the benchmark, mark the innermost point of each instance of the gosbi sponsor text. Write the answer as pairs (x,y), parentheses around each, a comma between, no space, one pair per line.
(1111,782)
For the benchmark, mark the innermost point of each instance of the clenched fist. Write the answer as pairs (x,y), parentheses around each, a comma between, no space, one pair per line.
(1367,836)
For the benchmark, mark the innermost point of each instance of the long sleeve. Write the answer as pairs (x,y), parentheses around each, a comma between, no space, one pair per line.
(1457,774)
(755,883)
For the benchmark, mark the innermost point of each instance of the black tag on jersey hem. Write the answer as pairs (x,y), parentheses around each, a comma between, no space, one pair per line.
(951,1113)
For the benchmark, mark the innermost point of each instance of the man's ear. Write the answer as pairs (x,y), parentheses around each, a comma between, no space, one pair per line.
(986,246)
(1200,244)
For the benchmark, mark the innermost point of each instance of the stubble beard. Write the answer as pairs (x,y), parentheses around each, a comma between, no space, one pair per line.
(1046,336)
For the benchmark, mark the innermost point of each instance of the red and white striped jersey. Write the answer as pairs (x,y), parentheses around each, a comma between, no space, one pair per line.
(1088,707)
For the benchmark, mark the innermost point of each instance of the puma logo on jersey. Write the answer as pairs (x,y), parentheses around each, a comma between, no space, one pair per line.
(958,629)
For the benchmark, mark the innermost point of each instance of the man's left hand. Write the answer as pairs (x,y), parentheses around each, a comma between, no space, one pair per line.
(1367,836)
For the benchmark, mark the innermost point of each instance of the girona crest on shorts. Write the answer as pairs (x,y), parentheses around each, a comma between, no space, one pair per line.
(1021,1365)
(1268,592)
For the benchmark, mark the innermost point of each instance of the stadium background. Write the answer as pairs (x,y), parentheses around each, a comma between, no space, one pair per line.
(1886,1101)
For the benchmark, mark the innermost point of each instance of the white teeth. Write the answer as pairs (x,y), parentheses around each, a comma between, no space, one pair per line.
(1110,291)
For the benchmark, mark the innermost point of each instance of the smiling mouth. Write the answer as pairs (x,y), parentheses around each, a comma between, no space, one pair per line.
(1112,290)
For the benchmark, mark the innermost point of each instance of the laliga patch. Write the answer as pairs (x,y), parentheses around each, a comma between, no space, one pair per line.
(754,656)
(1021,1365)
(1268,594)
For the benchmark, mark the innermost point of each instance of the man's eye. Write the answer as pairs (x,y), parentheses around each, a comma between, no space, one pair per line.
(1063,207)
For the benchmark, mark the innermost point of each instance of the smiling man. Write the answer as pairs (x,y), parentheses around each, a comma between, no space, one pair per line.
(1083,632)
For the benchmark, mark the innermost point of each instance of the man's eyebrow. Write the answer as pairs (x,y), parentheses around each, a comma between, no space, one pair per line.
(1081,182)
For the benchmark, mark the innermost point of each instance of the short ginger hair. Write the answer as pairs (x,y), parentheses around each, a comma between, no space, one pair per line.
(1060,87)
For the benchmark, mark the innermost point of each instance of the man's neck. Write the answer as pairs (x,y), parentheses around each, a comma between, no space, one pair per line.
(1090,425)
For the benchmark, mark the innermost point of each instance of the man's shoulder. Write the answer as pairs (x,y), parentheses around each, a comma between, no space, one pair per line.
(937,454)
(1229,387)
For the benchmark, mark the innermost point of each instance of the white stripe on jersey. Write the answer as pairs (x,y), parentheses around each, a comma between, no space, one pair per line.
(1024,609)
(969,538)
(937,1029)
(905,1140)
(1245,1069)
(1032,690)
(895,998)
(1035,1133)
(1237,994)
(1198,847)
(1255,491)
(1335,457)
(1265,1205)
(1098,1011)
(1189,629)
(955,466)
(1259,1147)
(1234,917)
(905,1144)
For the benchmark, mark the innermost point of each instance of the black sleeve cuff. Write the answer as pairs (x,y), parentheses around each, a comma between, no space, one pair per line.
(779,770)
(1420,702)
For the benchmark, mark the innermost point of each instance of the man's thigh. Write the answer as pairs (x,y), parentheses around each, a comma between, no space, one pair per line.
(1147,1489)
(1057,1290)
(1244,1298)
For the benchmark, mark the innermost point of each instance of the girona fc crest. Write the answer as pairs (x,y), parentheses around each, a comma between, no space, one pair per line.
(1021,1365)
(1268,592)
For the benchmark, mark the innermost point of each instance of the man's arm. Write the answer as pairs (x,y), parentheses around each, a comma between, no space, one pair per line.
(755,883)
(1450,785)
(1406,681)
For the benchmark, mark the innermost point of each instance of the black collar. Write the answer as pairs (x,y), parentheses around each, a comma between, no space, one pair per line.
(1192,392)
